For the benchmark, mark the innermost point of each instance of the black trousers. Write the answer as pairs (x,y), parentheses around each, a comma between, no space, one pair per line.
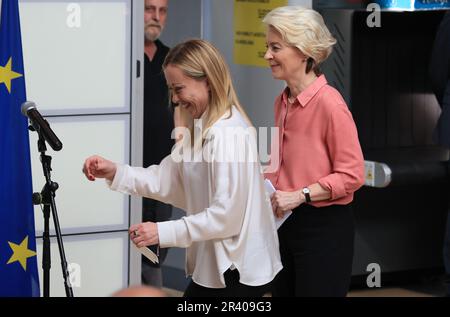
(316,247)
(446,253)
(233,288)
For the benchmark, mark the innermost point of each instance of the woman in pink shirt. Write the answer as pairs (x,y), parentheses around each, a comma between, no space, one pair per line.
(320,159)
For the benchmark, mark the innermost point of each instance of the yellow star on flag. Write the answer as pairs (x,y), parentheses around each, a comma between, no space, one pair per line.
(21,253)
(7,74)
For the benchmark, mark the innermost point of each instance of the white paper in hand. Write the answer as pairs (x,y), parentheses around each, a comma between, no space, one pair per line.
(149,254)
(270,189)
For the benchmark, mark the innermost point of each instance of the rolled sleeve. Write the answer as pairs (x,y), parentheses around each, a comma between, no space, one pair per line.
(335,185)
(346,155)
(118,178)
(173,234)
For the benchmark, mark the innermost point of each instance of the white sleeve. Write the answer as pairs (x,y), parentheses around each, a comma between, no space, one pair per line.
(231,184)
(161,182)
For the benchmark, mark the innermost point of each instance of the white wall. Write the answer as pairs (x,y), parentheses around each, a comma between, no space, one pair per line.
(81,76)
(184,21)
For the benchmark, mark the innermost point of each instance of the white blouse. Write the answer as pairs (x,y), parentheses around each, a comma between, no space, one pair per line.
(229,222)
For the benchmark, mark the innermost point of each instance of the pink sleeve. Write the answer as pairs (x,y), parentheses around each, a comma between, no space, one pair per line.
(345,153)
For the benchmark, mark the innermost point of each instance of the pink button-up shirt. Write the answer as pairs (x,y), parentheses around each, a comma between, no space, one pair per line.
(318,144)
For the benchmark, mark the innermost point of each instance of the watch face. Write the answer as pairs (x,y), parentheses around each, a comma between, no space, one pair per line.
(306,192)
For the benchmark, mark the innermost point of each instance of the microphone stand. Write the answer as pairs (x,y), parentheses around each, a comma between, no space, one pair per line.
(47,199)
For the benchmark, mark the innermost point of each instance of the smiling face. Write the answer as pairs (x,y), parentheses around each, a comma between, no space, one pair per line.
(189,93)
(286,61)
(155,18)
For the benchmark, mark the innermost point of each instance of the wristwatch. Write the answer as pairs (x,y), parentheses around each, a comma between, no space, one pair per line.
(306,192)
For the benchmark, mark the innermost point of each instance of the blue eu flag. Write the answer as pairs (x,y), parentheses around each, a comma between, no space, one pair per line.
(18,263)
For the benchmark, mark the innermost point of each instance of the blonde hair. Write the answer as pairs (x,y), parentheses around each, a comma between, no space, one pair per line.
(303,28)
(199,59)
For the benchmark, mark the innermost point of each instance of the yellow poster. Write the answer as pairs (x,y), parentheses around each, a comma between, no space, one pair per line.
(249,31)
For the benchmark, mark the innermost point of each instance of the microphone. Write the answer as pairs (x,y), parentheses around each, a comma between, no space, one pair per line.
(41,125)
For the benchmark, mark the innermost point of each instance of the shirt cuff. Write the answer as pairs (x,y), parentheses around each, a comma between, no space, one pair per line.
(171,232)
(335,185)
(120,173)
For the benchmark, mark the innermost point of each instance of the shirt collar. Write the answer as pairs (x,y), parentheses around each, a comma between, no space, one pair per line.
(227,114)
(306,95)
(204,114)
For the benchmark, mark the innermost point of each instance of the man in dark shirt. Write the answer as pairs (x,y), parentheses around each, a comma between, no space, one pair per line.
(158,123)
(440,80)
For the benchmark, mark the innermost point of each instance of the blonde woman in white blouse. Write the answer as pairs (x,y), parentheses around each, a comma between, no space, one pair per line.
(229,230)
